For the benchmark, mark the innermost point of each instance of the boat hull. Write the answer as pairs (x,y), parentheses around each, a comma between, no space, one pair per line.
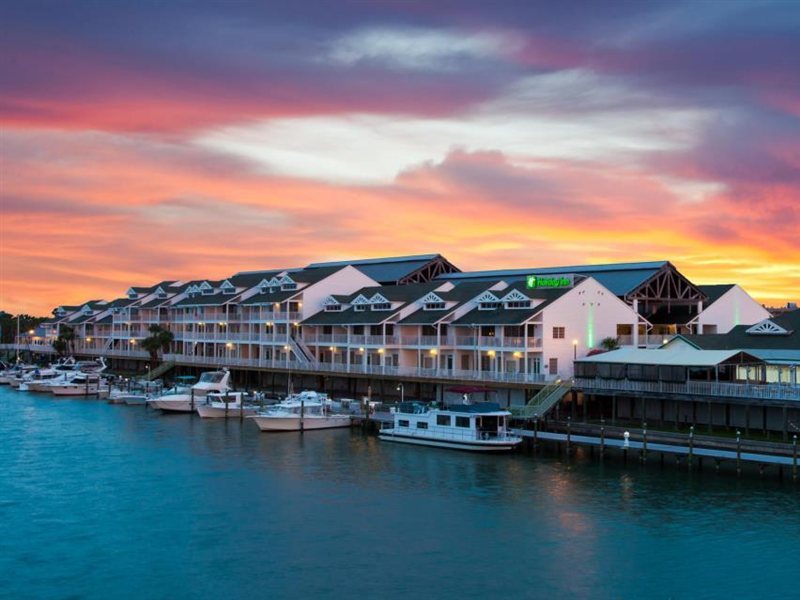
(77,390)
(213,412)
(293,423)
(467,445)
(176,406)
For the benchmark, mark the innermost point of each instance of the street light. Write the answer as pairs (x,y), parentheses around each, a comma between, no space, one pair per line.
(574,349)
(401,389)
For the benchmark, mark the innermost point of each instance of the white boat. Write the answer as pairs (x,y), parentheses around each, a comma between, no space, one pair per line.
(226,404)
(476,427)
(83,384)
(303,411)
(186,400)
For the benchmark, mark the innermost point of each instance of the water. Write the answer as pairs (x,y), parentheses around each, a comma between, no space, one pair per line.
(106,501)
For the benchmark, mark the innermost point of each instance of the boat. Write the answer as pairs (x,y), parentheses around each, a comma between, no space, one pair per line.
(185,400)
(218,405)
(300,412)
(83,384)
(481,427)
(134,392)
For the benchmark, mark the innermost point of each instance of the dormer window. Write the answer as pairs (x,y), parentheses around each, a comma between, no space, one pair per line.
(132,295)
(382,306)
(488,305)
(333,308)
(359,307)
(161,294)
(207,292)
(519,304)
(434,306)
(288,286)
(263,288)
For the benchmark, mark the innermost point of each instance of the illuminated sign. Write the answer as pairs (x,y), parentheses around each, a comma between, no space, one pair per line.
(535,282)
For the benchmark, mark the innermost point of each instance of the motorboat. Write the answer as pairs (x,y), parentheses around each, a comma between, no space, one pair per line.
(300,412)
(481,427)
(82,384)
(219,405)
(183,400)
(134,392)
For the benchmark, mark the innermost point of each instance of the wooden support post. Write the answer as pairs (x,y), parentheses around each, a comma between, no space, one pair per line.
(691,446)
(785,424)
(302,415)
(535,431)
(747,420)
(644,443)
(569,433)
(738,453)
(710,416)
(603,438)
(613,409)
(794,458)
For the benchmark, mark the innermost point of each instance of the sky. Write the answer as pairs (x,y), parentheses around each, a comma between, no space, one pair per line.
(143,141)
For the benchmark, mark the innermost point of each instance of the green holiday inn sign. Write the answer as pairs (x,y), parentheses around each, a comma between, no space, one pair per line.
(535,282)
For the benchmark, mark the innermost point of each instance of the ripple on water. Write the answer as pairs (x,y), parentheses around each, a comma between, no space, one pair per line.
(101,501)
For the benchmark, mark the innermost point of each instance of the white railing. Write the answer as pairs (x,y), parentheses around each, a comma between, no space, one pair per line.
(765,391)
(436,374)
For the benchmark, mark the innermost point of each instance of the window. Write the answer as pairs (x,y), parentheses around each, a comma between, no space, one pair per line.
(488,305)
(434,306)
(558,333)
(462,422)
(422,425)
(375,330)
(402,423)
(519,304)
(358,330)
(382,306)
(288,286)
(553,364)
(359,308)
(333,308)
(443,420)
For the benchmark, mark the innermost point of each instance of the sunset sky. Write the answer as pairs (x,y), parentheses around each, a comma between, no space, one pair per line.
(144,141)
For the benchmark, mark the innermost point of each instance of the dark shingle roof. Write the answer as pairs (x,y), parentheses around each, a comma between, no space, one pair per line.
(217,299)
(248,279)
(351,317)
(463,292)
(738,338)
(620,278)
(511,316)
(387,270)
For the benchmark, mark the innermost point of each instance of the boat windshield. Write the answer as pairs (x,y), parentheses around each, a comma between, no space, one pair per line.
(212,377)
(412,408)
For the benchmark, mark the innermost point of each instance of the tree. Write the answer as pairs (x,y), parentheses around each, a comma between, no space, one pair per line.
(60,346)
(159,340)
(67,334)
(609,343)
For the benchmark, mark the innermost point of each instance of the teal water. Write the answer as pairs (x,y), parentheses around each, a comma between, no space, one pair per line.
(104,501)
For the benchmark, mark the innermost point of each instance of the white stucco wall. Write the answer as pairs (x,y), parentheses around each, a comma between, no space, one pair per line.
(734,307)
(589,313)
(345,281)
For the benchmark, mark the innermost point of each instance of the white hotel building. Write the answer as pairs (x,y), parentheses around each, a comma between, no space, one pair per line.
(411,317)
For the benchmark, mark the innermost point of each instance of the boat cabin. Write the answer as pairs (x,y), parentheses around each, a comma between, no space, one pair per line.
(481,421)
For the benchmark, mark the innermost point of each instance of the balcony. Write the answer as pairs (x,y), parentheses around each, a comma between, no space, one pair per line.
(343,369)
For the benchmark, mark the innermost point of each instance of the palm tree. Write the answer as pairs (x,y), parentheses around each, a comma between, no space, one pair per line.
(159,340)
(609,343)
(66,337)
(60,346)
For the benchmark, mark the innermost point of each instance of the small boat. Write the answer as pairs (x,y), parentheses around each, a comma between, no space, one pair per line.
(83,384)
(477,427)
(185,400)
(303,411)
(218,405)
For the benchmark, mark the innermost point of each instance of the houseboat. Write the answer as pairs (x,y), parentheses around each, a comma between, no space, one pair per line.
(476,427)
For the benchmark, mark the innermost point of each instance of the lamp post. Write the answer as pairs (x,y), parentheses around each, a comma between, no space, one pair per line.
(401,389)
(574,349)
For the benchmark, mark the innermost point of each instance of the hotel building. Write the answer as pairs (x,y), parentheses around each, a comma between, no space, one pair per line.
(416,317)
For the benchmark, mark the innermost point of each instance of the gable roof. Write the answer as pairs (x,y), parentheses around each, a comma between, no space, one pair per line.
(511,316)
(620,278)
(392,269)
(715,292)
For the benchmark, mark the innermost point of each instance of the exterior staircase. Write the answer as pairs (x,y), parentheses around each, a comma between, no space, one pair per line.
(301,351)
(545,399)
(160,370)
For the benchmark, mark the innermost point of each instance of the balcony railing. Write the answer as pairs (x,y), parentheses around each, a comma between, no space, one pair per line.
(767,391)
(410,372)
